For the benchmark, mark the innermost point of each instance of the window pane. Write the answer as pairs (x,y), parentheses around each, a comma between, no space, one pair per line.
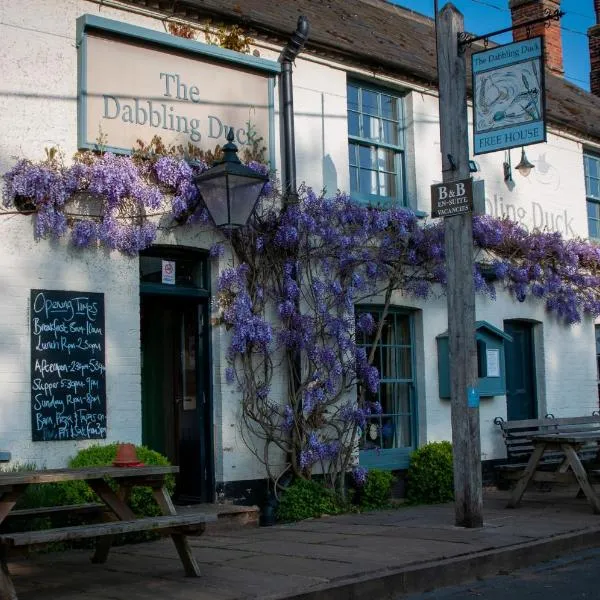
(592,166)
(404,435)
(385,160)
(367,181)
(593,229)
(353,124)
(593,189)
(369,102)
(387,184)
(403,329)
(354,179)
(389,108)
(353,98)
(388,368)
(404,363)
(592,210)
(390,132)
(371,128)
(352,154)
(388,331)
(366,156)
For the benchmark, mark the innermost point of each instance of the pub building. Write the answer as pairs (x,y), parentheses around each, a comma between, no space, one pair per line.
(102,346)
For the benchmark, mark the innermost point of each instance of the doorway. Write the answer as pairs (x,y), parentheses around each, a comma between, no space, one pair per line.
(521,396)
(176,408)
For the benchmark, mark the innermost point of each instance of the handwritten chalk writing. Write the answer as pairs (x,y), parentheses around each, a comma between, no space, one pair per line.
(68,387)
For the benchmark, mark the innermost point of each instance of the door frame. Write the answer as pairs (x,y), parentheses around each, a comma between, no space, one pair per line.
(191,293)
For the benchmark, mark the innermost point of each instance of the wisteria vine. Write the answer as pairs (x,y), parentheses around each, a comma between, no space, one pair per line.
(301,269)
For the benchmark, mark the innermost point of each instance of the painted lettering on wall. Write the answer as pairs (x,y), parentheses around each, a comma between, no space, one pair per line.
(68,387)
(536,217)
(175,96)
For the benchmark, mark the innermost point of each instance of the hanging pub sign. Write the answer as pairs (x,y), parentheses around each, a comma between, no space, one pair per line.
(508,96)
(68,387)
(454,198)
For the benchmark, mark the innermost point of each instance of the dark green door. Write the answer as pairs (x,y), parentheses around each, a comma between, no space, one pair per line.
(175,417)
(521,401)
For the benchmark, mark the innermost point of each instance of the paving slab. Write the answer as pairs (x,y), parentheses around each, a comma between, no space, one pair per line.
(361,556)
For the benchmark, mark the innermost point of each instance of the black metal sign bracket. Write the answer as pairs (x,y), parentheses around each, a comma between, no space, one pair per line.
(466,39)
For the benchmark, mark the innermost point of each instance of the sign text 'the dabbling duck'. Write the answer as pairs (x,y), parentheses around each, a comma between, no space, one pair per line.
(132,91)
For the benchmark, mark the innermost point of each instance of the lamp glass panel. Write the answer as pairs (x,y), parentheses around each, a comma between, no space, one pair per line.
(243,193)
(214,194)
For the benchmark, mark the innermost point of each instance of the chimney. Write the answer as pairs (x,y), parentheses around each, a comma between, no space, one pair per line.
(594,41)
(527,10)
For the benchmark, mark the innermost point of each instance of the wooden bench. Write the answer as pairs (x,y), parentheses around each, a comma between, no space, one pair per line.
(88,508)
(189,523)
(517,439)
(118,517)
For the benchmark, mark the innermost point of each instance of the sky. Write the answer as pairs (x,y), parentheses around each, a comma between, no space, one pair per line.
(485,16)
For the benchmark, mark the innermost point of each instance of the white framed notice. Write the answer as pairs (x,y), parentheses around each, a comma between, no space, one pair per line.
(493,362)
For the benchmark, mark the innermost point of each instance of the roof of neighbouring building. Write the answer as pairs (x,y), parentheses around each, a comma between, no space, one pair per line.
(378,36)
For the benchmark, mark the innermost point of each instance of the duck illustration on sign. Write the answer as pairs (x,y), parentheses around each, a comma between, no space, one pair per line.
(508,96)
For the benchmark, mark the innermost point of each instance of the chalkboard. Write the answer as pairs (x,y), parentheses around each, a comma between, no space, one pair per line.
(68,384)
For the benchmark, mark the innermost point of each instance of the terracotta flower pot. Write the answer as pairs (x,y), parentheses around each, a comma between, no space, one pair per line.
(126,456)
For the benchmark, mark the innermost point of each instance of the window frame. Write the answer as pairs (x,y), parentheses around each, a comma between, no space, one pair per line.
(394,458)
(592,201)
(398,150)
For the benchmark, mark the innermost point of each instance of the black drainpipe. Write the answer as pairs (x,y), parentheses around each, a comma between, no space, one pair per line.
(286,58)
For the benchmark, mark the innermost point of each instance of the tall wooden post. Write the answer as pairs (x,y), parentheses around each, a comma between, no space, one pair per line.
(459,259)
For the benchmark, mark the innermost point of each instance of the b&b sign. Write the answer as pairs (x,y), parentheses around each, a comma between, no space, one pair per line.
(454,198)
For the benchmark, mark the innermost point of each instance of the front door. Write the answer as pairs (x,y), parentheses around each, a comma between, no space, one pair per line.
(521,400)
(175,417)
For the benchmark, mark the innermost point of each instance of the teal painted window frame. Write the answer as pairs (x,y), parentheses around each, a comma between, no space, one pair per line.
(87,23)
(395,458)
(591,169)
(363,141)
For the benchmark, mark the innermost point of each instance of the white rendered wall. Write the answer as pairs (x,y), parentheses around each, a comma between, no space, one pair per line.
(27,264)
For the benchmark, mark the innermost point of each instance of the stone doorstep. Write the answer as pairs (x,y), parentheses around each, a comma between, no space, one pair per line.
(229,516)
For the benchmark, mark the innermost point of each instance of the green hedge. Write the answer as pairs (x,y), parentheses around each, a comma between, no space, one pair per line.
(304,499)
(376,492)
(430,477)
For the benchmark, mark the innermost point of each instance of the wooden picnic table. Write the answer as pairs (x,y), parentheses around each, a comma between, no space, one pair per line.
(571,469)
(13,485)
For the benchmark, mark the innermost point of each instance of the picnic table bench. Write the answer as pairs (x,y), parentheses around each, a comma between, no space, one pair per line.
(118,516)
(519,444)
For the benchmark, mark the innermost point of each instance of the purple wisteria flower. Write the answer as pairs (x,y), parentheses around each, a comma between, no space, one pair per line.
(359,476)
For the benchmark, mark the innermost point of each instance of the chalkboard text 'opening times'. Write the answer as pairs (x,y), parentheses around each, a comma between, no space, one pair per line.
(66,309)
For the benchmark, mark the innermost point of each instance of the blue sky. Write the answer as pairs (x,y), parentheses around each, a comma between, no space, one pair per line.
(484,16)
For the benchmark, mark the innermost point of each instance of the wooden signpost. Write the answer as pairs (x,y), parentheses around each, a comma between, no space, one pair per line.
(459,259)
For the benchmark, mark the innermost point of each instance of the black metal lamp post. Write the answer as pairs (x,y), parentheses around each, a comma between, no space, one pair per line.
(230,190)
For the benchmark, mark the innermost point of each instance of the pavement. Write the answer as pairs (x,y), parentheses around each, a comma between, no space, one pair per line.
(376,555)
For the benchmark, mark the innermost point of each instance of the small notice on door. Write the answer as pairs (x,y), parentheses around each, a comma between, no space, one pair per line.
(168,272)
